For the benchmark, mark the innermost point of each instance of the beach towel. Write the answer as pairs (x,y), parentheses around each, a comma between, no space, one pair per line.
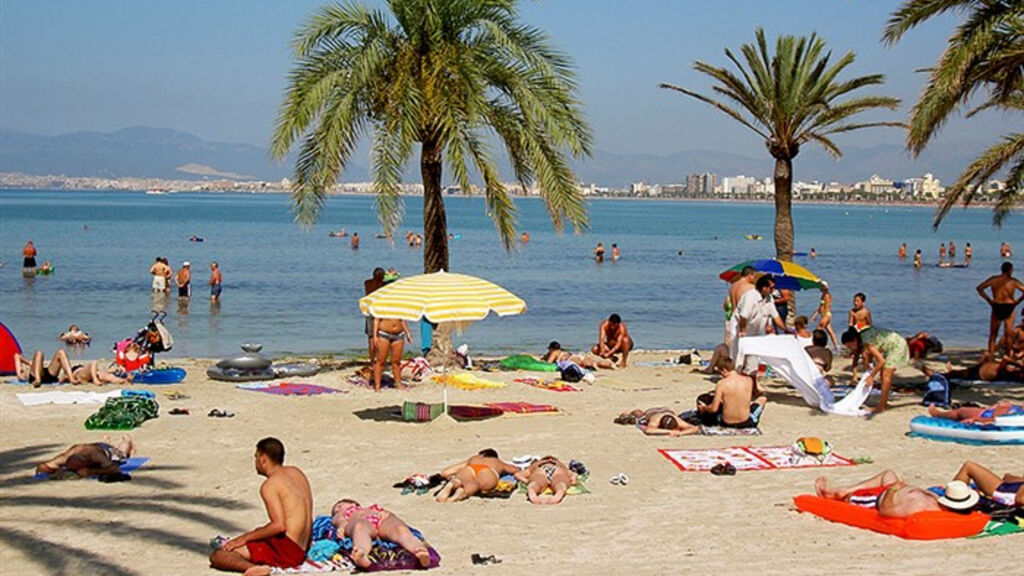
(784,355)
(466,381)
(524,408)
(289,388)
(747,458)
(724,431)
(61,397)
(130,465)
(466,412)
(311,567)
(525,362)
(552,385)
(20,382)
(929,525)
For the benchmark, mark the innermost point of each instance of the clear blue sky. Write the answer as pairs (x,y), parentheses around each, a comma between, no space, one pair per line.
(218,69)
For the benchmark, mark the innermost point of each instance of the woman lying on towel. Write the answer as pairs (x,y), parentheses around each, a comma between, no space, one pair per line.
(658,422)
(364,525)
(974,414)
(480,473)
(548,472)
(895,498)
(556,355)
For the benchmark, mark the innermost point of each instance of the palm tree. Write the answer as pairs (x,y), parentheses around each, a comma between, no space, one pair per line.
(984,55)
(790,98)
(447,75)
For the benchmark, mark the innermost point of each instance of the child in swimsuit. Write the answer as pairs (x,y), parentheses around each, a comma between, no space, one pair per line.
(365,524)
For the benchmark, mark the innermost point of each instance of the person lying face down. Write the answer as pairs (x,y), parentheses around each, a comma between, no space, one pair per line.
(479,473)
(658,422)
(365,524)
(548,472)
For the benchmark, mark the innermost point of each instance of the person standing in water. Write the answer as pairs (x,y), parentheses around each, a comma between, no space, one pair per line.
(1004,302)
(183,279)
(216,282)
(903,251)
(615,253)
(599,253)
(355,240)
(28,266)
(917,259)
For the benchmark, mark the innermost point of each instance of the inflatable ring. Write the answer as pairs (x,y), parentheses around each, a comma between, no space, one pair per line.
(236,375)
(295,370)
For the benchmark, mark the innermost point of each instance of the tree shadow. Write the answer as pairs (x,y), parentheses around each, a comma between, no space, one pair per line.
(20,459)
(60,559)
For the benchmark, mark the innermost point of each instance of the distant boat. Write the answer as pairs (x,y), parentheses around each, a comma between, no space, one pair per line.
(155,192)
(754,237)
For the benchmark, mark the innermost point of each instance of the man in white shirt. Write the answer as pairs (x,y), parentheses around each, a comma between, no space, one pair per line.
(756,309)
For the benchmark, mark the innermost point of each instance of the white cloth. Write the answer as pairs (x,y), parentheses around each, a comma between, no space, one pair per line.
(786,357)
(59,397)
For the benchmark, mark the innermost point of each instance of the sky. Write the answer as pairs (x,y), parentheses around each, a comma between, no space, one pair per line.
(218,69)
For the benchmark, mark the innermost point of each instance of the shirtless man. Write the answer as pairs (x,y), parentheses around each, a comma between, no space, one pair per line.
(917,259)
(612,339)
(371,285)
(885,491)
(1003,301)
(480,473)
(389,338)
(859,316)
(548,472)
(28,253)
(365,524)
(216,282)
(281,542)
(355,240)
(733,401)
(973,414)
(968,253)
(183,279)
(903,251)
(988,370)
(952,251)
(94,459)
(159,273)
(599,253)
(58,370)
(744,284)
(942,252)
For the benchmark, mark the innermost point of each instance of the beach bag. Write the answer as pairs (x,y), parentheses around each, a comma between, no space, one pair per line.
(571,373)
(938,392)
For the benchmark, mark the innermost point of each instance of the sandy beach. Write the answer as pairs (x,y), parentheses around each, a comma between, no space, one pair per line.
(200,481)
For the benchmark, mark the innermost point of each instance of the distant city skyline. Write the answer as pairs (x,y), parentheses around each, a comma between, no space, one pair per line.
(218,70)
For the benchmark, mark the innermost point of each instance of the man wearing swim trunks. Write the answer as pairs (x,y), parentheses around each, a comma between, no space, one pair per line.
(216,281)
(891,496)
(28,266)
(281,542)
(612,339)
(1007,490)
(184,281)
(734,403)
(371,285)
(1003,301)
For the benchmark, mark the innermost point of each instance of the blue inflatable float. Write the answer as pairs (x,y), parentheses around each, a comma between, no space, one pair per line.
(159,376)
(1002,432)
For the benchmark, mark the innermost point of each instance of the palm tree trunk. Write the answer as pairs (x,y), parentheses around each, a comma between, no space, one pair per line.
(784,209)
(435,223)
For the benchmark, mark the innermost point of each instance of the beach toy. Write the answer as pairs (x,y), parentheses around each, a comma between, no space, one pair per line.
(930,525)
(295,369)
(159,376)
(946,430)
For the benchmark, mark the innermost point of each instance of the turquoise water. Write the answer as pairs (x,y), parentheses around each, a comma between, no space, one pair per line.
(296,291)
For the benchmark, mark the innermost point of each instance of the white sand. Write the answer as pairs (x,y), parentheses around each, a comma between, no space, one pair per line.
(201,482)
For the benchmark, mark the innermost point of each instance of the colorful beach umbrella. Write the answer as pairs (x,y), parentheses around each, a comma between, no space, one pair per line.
(787,275)
(441,297)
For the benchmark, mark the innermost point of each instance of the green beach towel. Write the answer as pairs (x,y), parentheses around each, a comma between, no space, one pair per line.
(526,362)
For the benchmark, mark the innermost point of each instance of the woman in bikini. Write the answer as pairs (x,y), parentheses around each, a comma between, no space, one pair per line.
(479,474)
(364,525)
(824,314)
(389,337)
(548,472)
(658,422)
(91,373)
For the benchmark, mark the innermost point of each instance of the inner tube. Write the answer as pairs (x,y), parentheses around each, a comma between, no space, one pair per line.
(236,375)
(245,362)
(159,376)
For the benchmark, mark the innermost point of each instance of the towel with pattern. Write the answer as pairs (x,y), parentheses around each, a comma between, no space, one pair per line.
(552,385)
(289,388)
(747,458)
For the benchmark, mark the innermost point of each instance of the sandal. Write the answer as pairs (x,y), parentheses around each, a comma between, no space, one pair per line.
(216,413)
(723,469)
(481,559)
(178,411)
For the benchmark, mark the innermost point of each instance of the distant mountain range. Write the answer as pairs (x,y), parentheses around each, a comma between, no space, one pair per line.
(173,155)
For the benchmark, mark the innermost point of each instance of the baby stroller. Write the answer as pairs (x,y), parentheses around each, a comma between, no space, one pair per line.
(144,346)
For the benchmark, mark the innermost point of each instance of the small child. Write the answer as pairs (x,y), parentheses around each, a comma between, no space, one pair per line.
(363,525)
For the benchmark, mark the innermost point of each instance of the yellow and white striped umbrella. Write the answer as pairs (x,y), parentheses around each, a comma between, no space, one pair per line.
(441,297)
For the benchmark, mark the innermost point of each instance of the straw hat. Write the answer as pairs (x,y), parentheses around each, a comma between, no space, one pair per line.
(959,496)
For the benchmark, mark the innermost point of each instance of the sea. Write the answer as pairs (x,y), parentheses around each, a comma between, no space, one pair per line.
(295,290)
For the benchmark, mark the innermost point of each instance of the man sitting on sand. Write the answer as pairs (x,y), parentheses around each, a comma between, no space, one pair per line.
(556,355)
(478,474)
(58,370)
(94,459)
(1007,490)
(733,401)
(365,524)
(658,422)
(612,339)
(548,472)
(891,496)
(281,542)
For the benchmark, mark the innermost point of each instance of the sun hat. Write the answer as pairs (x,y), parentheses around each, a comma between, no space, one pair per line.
(959,496)
(186,263)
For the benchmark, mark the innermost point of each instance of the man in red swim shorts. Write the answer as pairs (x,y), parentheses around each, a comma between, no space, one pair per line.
(281,542)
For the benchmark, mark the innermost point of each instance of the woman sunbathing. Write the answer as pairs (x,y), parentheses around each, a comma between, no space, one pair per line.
(556,355)
(548,472)
(480,473)
(364,525)
(1007,490)
(91,373)
(973,414)
(658,422)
